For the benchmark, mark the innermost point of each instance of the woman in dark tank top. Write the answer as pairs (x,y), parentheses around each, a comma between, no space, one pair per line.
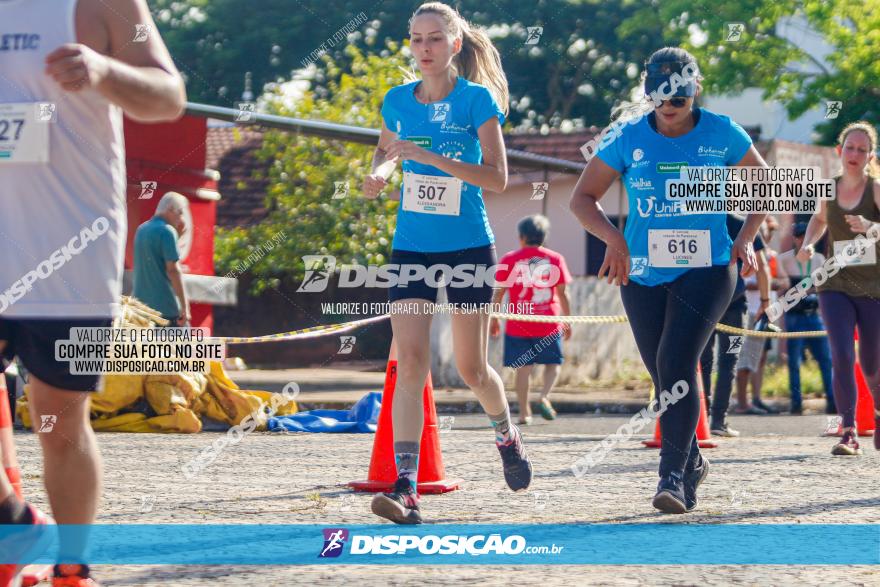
(851,297)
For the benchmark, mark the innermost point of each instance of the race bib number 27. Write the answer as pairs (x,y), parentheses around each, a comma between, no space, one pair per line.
(23,137)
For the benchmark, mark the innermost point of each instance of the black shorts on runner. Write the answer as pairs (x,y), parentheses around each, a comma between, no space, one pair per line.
(33,341)
(480,292)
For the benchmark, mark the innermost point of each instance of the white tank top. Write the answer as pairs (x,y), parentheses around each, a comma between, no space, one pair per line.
(62,182)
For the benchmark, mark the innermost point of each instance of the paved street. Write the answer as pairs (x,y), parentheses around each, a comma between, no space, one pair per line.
(780,471)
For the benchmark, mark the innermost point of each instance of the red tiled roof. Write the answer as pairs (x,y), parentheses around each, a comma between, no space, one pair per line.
(232,152)
(554,144)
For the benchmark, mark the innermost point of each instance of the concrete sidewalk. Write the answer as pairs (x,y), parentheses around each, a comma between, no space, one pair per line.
(337,389)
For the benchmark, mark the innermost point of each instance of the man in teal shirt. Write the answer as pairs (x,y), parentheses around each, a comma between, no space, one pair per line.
(158,280)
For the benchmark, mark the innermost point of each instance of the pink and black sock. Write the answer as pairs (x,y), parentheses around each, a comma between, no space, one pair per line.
(504,429)
(406,456)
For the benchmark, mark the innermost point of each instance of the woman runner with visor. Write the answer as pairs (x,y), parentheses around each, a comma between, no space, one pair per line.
(677,272)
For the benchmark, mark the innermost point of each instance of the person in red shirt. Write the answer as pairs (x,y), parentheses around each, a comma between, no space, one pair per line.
(535,278)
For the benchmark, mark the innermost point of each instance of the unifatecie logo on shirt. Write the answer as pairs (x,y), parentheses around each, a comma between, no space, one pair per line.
(19,42)
(657,208)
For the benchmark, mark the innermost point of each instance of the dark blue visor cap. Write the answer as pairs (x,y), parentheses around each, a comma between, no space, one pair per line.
(671,79)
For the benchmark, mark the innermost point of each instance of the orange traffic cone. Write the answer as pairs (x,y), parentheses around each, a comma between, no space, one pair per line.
(704,436)
(864,405)
(32,574)
(383,469)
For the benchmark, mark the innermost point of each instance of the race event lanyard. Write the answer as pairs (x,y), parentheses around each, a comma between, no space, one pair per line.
(431,194)
(24,138)
(679,248)
(801,268)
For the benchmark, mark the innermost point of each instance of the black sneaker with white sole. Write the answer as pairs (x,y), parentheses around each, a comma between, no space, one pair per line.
(517,467)
(670,498)
(401,505)
(722,428)
(692,480)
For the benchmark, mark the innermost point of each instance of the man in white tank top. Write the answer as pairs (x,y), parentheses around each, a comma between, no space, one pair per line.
(68,71)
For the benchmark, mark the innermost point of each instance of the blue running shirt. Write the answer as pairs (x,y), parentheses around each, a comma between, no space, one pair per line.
(448,127)
(645,159)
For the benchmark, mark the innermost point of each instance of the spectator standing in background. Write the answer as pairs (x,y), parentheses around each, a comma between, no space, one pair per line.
(804,317)
(534,343)
(158,278)
(729,346)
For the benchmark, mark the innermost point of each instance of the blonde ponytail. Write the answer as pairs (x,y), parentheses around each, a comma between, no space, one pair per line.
(478,61)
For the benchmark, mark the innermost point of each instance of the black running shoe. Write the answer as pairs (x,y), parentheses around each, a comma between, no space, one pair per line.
(401,506)
(517,467)
(692,481)
(759,403)
(722,428)
(670,497)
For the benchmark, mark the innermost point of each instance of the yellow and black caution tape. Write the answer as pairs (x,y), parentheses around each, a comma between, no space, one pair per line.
(312,332)
(324,329)
(566,319)
(769,334)
(620,319)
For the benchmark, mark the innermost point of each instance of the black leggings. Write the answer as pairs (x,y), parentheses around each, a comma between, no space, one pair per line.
(672,323)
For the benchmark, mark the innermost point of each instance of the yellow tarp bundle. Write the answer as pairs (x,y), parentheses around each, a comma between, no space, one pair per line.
(179,400)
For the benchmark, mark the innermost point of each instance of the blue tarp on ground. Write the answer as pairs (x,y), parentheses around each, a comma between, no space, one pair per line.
(362,417)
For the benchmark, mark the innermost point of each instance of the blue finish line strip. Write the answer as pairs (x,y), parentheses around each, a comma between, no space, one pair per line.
(567,544)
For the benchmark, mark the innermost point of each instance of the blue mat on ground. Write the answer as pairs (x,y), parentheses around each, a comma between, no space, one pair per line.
(362,417)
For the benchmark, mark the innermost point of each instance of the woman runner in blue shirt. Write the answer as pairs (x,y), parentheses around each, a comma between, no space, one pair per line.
(672,306)
(446,130)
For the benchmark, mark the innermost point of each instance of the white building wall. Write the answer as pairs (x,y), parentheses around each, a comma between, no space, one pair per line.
(750,109)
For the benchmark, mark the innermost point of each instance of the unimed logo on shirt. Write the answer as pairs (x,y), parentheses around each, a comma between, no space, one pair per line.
(423,142)
(669,167)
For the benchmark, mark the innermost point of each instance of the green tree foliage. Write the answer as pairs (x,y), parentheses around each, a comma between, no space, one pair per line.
(763,57)
(303,172)
(575,72)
